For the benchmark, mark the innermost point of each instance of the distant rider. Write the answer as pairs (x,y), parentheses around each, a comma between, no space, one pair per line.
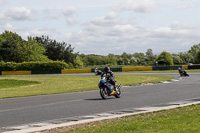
(179,70)
(109,76)
(96,70)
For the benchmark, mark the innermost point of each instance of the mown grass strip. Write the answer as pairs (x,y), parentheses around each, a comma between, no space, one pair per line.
(9,83)
(178,120)
(65,84)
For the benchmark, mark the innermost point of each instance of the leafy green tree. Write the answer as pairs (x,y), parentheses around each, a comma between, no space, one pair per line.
(14,49)
(120,61)
(187,57)
(57,50)
(125,57)
(112,59)
(140,58)
(78,62)
(33,51)
(197,57)
(8,45)
(164,56)
(149,52)
(150,58)
(194,51)
(133,61)
(177,59)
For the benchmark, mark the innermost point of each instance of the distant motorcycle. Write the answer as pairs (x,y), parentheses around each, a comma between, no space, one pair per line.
(107,89)
(97,72)
(183,72)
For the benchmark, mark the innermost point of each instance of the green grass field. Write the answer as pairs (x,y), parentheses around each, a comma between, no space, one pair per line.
(9,83)
(31,86)
(178,120)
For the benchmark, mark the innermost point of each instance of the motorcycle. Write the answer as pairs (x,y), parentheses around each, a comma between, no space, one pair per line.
(107,89)
(98,72)
(183,72)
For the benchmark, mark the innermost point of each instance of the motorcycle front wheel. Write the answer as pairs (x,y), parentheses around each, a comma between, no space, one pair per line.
(118,92)
(104,93)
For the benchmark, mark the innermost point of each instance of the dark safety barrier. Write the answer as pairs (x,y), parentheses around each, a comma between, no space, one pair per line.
(92,70)
(46,72)
(0,72)
(112,69)
(116,69)
(193,66)
(147,68)
(166,67)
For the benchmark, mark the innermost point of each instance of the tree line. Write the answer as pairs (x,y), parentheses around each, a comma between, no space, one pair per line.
(15,49)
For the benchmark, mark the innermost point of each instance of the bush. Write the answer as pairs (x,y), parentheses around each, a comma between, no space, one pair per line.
(50,65)
(9,66)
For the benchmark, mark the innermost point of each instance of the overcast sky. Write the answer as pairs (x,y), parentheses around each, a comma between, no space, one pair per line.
(107,26)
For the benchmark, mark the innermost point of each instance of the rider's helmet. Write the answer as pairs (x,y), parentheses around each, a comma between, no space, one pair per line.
(179,68)
(106,69)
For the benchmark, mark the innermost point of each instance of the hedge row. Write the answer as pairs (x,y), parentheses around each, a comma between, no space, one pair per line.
(38,66)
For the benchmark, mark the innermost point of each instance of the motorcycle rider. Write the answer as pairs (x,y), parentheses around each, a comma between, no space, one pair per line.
(182,72)
(96,70)
(109,76)
(179,70)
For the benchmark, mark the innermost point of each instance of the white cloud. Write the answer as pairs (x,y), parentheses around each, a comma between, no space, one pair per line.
(69,11)
(111,32)
(120,37)
(141,6)
(177,30)
(39,32)
(50,14)
(9,27)
(180,25)
(187,6)
(112,18)
(71,21)
(123,28)
(20,14)
(2,2)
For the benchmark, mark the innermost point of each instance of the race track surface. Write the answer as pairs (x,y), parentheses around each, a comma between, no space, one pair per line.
(20,111)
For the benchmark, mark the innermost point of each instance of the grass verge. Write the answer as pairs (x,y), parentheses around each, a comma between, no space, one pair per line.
(57,85)
(8,83)
(178,120)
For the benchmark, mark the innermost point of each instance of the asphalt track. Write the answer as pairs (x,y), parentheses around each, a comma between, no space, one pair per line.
(26,110)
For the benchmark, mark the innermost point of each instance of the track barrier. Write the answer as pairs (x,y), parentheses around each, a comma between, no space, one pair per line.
(126,69)
(16,72)
(71,71)
(122,69)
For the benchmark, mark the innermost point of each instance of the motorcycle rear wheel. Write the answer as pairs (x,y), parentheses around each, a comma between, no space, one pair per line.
(103,93)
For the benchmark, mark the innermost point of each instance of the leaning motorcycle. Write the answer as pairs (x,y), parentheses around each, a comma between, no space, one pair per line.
(183,72)
(107,89)
(98,72)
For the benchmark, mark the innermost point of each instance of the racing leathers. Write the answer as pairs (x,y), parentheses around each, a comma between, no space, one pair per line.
(109,77)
